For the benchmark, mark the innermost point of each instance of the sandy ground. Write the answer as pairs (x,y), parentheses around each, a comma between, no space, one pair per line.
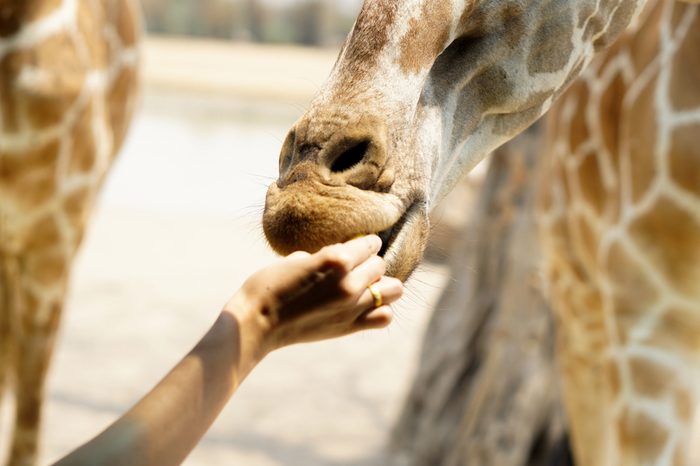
(176,231)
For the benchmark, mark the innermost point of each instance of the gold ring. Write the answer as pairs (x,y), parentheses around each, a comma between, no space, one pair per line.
(376,294)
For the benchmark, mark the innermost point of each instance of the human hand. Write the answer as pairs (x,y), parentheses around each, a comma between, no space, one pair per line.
(308,297)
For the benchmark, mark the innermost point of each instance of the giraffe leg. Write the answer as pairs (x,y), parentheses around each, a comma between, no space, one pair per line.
(29,395)
(39,282)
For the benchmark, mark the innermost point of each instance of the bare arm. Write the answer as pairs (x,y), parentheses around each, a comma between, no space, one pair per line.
(301,298)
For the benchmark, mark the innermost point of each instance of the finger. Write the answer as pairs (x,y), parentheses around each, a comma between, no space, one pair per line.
(298,255)
(376,318)
(345,257)
(390,288)
(364,274)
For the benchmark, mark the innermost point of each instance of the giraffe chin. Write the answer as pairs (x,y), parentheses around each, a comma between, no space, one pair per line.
(310,215)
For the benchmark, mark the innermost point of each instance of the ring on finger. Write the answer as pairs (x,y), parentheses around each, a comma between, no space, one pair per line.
(376,295)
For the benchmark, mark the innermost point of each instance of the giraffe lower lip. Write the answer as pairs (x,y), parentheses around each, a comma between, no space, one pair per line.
(390,234)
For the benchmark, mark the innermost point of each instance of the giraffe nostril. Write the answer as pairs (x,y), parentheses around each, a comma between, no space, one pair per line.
(350,157)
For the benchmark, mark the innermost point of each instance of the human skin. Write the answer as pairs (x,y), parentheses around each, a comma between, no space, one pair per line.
(301,298)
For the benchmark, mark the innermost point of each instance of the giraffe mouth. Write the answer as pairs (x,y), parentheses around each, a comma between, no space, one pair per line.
(394,236)
(308,216)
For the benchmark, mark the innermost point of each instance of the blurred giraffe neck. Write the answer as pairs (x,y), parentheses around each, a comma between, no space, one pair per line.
(67,90)
(622,244)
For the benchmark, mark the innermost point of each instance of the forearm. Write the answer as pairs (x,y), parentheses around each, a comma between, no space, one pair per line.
(167,423)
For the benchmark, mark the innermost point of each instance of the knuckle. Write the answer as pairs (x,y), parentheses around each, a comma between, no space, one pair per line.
(351,288)
(334,257)
(380,263)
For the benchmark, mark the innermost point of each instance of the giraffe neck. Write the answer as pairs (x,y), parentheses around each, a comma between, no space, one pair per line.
(510,74)
(622,248)
(67,89)
(667,409)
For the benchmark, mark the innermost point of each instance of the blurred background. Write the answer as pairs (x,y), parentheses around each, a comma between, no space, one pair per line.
(308,22)
(177,230)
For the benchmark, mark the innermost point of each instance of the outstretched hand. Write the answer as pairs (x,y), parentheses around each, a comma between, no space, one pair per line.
(303,297)
(308,297)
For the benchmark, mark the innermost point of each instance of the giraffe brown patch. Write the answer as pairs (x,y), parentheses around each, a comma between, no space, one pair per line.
(488,89)
(10,66)
(47,268)
(641,134)
(555,171)
(578,131)
(685,407)
(670,239)
(127,22)
(551,43)
(29,306)
(677,330)
(585,13)
(370,35)
(684,158)
(75,206)
(12,167)
(634,293)
(503,18)
(43,234)
(644,46)
(427,36)
(493,86)
(685,71)
(11,17)
(587,239)
(30,179)
(13,14)
(610,110)
(120,100)
(612,372)
(54,318)
(83,153)
(59,80)
(591,182)
(639,436)
(649,378)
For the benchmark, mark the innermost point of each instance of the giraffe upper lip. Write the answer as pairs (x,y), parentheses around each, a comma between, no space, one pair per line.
(309,215)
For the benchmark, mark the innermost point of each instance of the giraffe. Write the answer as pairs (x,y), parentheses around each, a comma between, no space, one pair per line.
(67,92)
(425,89)
(620,228)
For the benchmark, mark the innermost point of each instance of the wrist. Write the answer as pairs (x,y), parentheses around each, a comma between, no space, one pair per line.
(254,324)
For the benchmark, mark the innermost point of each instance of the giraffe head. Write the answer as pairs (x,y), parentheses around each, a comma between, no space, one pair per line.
(421,91)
